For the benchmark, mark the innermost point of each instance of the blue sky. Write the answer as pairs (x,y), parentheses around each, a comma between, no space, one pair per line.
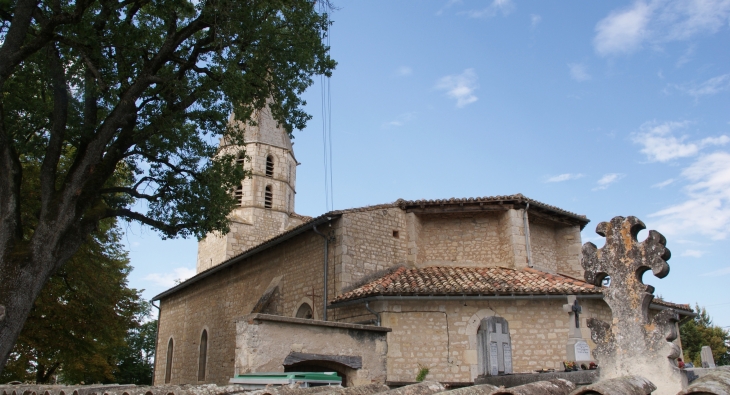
(600,108)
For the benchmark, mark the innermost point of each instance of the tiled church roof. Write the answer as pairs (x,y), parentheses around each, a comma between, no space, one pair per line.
(446,280)
(443,280)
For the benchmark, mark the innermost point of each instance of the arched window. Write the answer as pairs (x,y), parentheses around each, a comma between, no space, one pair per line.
(238,194)
(203,355)
(168,366)
(268,197)
(269,166)
(305,311)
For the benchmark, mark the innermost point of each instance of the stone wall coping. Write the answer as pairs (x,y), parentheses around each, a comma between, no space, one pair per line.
(253,318)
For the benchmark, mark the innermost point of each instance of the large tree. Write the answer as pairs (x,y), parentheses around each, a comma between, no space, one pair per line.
(120,104)
(79,328)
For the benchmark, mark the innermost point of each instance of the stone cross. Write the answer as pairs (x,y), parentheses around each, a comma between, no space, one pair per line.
(632,342)
(574,309)
(576,348)
(707,359)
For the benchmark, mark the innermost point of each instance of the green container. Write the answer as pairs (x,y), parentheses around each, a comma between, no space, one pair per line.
(306,379)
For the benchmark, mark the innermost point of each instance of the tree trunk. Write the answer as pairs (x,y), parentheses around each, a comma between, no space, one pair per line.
(21,282)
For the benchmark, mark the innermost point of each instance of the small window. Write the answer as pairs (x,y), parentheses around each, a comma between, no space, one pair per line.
(241,157)
(269,166)
(268,197)
(203,356)
(168,366)
(396,234)
(238,194)
(305,311)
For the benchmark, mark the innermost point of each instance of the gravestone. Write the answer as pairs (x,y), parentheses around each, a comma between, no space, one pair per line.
(581,351)
(496,345)
(707,360)
(633,342)
(577,348)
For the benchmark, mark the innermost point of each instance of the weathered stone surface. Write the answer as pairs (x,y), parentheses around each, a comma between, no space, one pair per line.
(580,377)
(360,390)
(2,313)
(708,361)
(550,387)
(424,388)
(627,385)
(286,390)
(483,389)
(716,382)
(264,342)
(119,390)
(633,342)
(352,361)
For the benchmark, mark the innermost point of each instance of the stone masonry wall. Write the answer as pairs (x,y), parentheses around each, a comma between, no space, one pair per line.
(466,239)
(211,251)
(513,231)
(365,243)
(543,245)
(215,301)
(263,344)
(441,335)
(568,251)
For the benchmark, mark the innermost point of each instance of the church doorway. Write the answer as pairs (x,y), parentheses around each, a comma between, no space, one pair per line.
(323,366)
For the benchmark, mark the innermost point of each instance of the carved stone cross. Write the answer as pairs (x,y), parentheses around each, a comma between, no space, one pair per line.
(633,342)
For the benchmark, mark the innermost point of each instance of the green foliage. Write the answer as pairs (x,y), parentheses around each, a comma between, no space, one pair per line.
(78,325)
(117,60)
(701,332)
(422,373)
(135,360)
(118,109)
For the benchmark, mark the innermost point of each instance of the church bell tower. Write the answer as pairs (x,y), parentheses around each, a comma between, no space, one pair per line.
(266,199)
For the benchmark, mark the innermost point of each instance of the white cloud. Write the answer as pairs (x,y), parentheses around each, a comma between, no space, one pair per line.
(706,209)
(400,120)
(578,72)
(404,71)
(535,20)
(447,6)
(710,87)
(564,177)
(622,31)
(716,273)
(498,6)
(169,279)
(460,87)
(660,144)
(694,253)
(607,180)
(663,183)
(657,22)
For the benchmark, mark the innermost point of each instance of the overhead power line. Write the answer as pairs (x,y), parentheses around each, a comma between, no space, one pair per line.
(325,9)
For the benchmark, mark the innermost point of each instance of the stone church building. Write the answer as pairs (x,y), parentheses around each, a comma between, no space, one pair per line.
(461,287)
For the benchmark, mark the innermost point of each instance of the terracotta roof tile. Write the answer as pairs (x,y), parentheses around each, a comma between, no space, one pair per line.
(444,280)
(676,306)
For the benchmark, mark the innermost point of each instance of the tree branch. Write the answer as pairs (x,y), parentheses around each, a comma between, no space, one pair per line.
(129,214)
(58,128)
